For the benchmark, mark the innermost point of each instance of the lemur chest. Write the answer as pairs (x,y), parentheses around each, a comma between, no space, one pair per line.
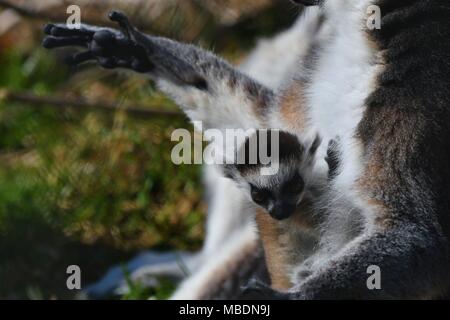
(343,79)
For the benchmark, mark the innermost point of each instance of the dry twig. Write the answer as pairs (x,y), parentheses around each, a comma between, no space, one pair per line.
(32,99)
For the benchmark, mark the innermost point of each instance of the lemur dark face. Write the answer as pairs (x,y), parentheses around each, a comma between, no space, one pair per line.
(282,199)
(279,193)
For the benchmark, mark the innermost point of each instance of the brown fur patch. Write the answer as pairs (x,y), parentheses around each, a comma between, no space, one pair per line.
(261,97)
(293,107)
(276,260)
(281,242)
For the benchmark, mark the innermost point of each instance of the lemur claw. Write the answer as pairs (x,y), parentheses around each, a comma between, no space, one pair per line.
(131,33)
(117,16)
(120,18)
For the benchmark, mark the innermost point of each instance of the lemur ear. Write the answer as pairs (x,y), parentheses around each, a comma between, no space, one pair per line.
(315,145)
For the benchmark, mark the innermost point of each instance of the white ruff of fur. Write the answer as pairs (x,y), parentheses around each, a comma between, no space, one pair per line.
(344,79)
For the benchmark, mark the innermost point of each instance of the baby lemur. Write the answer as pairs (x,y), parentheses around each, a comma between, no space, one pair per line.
(285,221)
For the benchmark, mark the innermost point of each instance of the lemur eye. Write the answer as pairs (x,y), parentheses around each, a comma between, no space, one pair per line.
(259,196)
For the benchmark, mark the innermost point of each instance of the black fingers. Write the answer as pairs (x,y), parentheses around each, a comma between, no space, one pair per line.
(80,58)
(107,62)
(51,42)
(142,65)
(124,63)
(111,48)
(62,30)
(122,20)
(48,28)
(60,35)
(132,34)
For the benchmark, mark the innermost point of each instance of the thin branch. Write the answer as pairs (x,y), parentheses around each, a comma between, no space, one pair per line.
(32,99)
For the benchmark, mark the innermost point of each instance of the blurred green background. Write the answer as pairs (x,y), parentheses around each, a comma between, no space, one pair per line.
(93,188)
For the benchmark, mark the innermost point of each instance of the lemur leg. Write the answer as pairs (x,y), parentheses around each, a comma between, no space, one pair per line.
(221,276)
(205,86)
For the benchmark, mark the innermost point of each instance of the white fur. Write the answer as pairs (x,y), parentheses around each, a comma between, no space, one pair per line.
(226,213)
(224,109)
(275,61)
(335,99)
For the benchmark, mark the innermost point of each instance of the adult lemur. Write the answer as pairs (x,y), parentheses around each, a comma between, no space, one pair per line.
(383,92)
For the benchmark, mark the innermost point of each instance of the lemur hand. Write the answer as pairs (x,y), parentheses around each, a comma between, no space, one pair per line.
(127,48)
(109,47)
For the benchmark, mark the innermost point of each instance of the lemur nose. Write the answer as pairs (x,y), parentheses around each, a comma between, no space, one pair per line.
(282,211)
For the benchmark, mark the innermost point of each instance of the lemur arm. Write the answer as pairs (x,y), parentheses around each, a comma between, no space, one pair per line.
(407,254)
(206,87)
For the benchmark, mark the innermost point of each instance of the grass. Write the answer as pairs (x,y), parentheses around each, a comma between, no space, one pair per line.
(85,188)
